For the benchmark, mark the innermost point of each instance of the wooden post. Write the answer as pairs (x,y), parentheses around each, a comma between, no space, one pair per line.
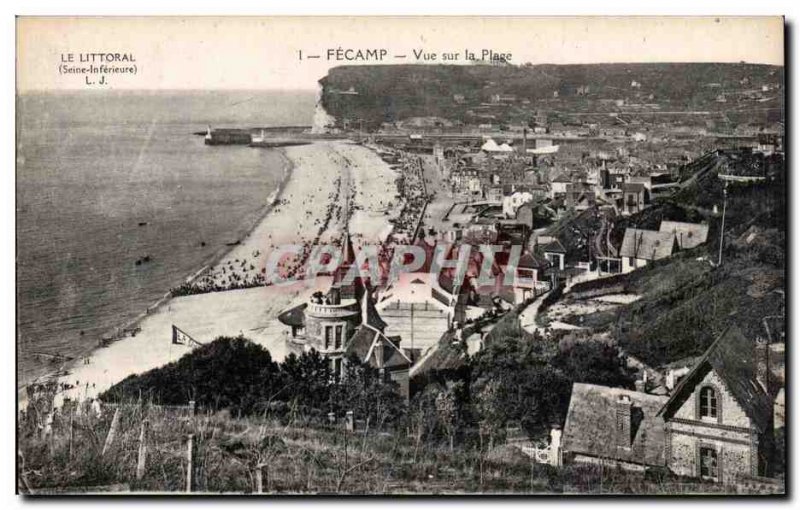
(262,478)
(141,465)
(112,432)
(190,464)
(71,432)
(192,408)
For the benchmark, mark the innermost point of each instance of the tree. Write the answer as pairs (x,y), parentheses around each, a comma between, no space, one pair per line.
(370,397)
(228,373)
(308,377)
(513,380)
(594,363)
(449,409)
(422,416)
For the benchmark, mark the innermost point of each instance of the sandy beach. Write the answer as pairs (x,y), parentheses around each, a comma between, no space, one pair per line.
(322,175)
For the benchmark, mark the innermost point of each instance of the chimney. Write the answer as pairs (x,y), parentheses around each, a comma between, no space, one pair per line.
(640,385)
(555,446)
(623,412)
(762,362)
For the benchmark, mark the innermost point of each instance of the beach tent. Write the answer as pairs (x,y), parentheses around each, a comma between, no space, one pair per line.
(490,146)
(505,148)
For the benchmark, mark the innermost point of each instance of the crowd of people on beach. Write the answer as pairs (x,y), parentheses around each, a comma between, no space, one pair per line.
(249,272)
(411,189)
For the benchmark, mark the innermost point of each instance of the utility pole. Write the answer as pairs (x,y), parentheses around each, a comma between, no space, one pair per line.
(722,226)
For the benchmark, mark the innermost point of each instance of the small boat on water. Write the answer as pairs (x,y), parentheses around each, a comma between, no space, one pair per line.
(142,223)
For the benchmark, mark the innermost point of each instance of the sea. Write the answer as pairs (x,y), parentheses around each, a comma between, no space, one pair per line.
(106,178)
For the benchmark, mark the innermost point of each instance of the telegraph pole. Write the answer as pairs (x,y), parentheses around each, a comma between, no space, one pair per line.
(722,226)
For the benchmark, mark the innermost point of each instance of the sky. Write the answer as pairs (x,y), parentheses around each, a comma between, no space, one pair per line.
(264,53)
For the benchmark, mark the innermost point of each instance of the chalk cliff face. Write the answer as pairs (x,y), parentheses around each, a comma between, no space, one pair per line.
(322,121)
(475,94)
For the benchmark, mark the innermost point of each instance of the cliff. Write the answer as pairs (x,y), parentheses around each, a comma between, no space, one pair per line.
(471,94)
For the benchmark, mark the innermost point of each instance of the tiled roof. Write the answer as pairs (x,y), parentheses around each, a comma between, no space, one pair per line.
(647,244)
(554,246)
(560,177)
(364,342)
(591,425)
(732,357)
(373,318)
(531,261)
(361,341)
(688,235)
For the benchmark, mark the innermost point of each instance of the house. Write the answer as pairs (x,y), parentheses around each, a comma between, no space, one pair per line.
(688,235)
(719,419)
(558,184)
(494,193)
(642,246)
(417,308)
(527,280)
(528,214)
(555,253)
(717,424)
(633,197)
(383,353)
(579,196)
(615,427)
(345,322)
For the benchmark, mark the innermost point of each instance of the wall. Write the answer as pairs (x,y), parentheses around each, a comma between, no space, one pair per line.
(627,266)
(731,436)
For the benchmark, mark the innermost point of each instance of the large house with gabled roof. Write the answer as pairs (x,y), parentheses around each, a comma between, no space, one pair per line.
(717,424)
(344,322)
(719,419)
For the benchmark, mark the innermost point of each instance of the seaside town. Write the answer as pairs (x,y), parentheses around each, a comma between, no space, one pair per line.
(625,333)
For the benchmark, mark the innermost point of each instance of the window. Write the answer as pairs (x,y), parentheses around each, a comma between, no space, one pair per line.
(328,334)
(708,403)
(339,335)
(708,462)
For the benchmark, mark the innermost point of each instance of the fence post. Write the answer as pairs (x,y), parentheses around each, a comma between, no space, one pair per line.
(349,421)
(112,432)
(71,433)
(141,465)
(192,408)
(261,478)
(190,464)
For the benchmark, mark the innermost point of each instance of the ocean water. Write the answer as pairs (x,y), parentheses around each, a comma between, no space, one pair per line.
(92,166)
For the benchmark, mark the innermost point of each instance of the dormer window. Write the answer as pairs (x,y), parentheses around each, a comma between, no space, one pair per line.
(708,403)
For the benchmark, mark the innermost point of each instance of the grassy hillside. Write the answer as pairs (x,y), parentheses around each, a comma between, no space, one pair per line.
(299,460)
(686,303)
